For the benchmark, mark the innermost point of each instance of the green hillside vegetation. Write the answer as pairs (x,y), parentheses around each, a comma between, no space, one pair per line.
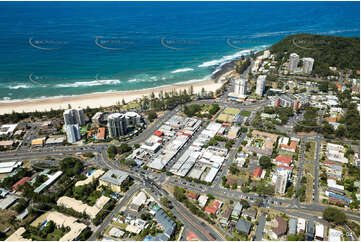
(341,52)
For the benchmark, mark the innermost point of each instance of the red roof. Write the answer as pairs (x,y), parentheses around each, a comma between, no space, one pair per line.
(20,182)
(293,145)
(158,133)
(192,236)
(211,209)
(284,159)
(214,207)
(285,167)
(101,133)
(192,195)
(257,172)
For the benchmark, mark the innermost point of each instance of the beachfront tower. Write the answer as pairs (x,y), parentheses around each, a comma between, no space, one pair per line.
(240,87)
(261,84)
(307,65)
(117,125)
(74,116)
(294,59)
(73,133)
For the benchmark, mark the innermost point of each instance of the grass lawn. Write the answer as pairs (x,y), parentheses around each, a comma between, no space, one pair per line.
(232,111)
(131,105)
(309,189)
(246,113)
(310,154)
(225,118)
(283,152)
(309,169)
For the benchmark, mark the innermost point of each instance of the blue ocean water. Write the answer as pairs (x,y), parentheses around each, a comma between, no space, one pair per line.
(53,49)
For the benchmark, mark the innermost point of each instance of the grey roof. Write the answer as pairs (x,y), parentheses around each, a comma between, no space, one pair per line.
(250,213)
(7,201)
(292,224)
(310,228)
(116,177)
(160,237)
(166,222)
(243,226)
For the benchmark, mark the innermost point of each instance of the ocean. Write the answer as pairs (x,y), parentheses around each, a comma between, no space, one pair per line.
(51,49)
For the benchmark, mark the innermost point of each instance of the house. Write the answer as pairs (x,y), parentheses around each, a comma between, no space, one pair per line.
(257,173)
(310,231)
(115,179)
(292,226)
(202,200)
(192,195)
(301,225)
(237,210)
(281,228)
(226,215)
(138,201)
(250,212)
(334,235)
(283,160)
(320,230)
(115,232)
(214,208)
(243,226)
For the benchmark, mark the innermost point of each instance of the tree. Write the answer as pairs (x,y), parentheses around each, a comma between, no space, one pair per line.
(179,194)
(265,162)
(152,115)
(245,204)
(233,169)
(262,189)
(112,151)
(335,215)
(165,202)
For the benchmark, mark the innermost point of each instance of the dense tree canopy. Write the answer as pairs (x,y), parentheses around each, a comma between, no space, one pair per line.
(340,52)
(335,215)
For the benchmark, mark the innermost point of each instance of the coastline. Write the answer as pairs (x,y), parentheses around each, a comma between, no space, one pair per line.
(104,99)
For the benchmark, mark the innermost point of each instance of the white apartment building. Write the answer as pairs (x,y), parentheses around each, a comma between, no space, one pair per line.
(261,84)
(294,59)
(240,87)
(307,65)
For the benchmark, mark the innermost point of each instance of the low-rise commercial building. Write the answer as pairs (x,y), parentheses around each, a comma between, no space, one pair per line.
(114,179)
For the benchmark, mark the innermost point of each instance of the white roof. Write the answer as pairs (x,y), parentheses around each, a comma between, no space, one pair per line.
(211,175)
(7,128)
(202,200)
(320,230)
(301,224)
(332,183)
(115,232)
(334,235)
(140,199)
(8,164)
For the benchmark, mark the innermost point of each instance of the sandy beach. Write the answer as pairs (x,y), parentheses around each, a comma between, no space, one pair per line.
(102,99)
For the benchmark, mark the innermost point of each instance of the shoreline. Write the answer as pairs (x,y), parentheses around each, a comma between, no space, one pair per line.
(104,99)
